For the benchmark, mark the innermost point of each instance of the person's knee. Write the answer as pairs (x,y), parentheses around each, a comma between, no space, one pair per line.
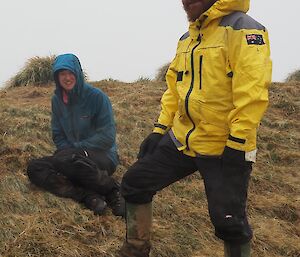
(37,172)
(127,183)
(133,190)
(231,228)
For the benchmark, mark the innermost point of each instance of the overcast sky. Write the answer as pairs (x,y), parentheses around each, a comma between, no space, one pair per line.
(125,39)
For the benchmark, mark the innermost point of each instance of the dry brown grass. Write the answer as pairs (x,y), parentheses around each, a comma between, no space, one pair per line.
(36,223)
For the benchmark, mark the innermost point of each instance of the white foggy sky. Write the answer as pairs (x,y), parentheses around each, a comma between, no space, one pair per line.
(124,39)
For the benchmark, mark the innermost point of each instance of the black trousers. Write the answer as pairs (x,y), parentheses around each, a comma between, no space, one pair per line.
(74,173)
(225,186)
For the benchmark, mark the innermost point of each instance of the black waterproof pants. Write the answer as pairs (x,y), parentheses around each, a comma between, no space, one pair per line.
(225,186)
(74,173)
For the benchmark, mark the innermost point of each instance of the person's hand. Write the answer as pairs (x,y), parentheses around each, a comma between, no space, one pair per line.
(65,158)
(149,144)
(233,157)
(65,153)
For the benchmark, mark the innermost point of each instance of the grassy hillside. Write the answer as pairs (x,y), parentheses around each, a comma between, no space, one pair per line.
(36,223)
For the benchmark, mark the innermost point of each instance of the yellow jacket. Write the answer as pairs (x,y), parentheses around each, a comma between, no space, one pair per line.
(218,82)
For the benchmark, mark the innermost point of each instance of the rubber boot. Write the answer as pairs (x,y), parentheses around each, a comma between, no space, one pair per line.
(138,231)
(234,250)
(95,203)
(116,202)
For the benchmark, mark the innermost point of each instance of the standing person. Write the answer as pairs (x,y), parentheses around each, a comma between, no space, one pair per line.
(217,94)
(83,131)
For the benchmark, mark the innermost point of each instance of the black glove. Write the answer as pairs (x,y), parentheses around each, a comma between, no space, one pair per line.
(149,144)
(64,158)
(73,163)
(69,154)
(233,156)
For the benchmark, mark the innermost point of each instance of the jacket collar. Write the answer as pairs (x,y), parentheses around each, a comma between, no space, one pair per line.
(219,9)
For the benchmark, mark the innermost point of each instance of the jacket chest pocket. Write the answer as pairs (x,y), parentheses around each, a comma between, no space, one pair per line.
(84,123)
(210,77)
(183,74)
(200,71)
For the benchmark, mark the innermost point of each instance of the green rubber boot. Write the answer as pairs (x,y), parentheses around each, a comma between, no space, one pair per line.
(233,250)
(138,231)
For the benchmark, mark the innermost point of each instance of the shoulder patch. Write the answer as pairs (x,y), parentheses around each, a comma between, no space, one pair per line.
(255,39)
(240,20)
(186,35)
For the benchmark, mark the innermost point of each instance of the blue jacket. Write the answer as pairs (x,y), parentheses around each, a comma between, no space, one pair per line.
(87,120)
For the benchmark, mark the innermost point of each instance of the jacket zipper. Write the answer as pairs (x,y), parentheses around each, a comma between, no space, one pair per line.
(200,71)
(187,98)
(75,130)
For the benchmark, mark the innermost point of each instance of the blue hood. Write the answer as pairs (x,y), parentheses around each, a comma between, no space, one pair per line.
(69,62)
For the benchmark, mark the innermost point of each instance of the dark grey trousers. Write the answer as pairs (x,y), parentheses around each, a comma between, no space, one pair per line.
(226,186)
(74,173)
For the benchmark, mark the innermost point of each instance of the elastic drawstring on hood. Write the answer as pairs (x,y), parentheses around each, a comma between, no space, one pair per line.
(69,62)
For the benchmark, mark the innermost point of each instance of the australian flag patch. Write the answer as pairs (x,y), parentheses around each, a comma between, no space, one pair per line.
(255,39)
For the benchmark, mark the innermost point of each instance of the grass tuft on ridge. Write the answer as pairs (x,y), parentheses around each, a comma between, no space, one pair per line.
(37,71)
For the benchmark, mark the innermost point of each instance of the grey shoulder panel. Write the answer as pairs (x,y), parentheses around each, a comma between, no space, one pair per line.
(240,20)
(186,35)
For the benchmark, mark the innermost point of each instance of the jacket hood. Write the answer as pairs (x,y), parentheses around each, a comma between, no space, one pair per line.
(222,8)
(69,62)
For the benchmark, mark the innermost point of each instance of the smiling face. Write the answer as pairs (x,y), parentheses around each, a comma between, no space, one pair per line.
(67,79)
(194,8)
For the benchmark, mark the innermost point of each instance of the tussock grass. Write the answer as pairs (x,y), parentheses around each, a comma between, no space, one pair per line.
(294,76)
(161,72)
(143,79)
(36,223)
(37,71)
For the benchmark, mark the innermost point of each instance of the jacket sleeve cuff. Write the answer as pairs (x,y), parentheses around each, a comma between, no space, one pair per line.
(159,128)
(236,143)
